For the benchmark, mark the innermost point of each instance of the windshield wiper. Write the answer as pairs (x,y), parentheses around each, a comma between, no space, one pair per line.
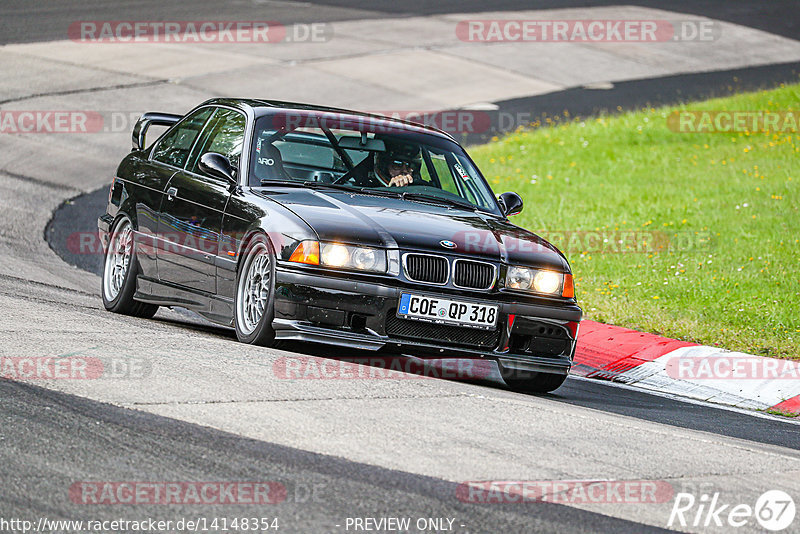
(381,192)
(328,185)
(349,189)
(409,195)
(293,183)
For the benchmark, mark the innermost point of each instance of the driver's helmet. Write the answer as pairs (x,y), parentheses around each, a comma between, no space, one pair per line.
(399,152)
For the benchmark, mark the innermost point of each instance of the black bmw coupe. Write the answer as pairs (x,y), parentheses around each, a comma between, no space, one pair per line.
(296,222)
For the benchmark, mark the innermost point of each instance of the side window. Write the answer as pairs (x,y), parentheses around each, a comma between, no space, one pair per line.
(173,149)
(224,135)
(444,174)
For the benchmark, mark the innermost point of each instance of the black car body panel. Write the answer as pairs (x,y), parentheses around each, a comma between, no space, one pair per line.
(387,222)
(191,230)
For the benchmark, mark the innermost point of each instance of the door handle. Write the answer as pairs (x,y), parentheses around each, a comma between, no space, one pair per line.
(171,192)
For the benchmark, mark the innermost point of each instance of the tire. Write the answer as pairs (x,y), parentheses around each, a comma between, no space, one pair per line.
(532,382)
(254,301)
(120,269)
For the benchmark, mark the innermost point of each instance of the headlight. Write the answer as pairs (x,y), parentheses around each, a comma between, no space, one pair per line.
(334,255)
(519,278)
(547,282)
(535,280)
(340,256)
(365,259)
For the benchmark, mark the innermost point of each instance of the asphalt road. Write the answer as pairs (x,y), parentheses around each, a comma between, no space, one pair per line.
(321,492)
(210,408)
(77,217)
(22,21)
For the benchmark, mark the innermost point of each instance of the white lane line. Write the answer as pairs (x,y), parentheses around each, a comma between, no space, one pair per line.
(672,396)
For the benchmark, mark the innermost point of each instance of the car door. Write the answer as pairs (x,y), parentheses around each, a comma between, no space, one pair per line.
(151,174)
(193,206)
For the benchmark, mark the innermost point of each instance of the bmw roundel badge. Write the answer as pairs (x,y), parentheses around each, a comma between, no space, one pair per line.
(447,244)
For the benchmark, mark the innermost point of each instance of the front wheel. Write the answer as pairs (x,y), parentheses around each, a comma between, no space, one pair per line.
(255,288)
(120,269)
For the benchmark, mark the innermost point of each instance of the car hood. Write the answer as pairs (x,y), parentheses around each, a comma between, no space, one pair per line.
(412,225)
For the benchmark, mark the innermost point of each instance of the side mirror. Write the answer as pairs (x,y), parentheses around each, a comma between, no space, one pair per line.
(218,166)
(511,203)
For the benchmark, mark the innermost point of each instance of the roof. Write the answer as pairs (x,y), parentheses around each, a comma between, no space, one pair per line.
(348,113)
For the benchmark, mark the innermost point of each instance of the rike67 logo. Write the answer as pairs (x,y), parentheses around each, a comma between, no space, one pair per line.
(774,511)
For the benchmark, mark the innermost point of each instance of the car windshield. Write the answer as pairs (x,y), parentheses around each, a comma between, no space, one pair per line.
(369,155)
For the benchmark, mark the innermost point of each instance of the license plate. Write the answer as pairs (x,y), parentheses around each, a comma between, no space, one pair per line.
(445,311)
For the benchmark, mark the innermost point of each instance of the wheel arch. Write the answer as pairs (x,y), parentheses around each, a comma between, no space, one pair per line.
(247,239)
(127,207)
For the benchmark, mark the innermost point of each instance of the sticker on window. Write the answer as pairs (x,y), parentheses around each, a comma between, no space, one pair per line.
(461,172)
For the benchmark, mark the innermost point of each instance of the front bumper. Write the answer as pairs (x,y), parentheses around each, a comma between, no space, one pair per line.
(311,306)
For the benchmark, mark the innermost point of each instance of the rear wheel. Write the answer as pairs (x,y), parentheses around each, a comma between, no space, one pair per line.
(120,269)
(255,288)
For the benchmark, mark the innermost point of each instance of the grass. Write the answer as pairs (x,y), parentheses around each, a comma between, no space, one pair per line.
(782,413)
(716,217)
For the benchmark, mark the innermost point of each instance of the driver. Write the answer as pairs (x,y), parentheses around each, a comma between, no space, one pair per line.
(397,165)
